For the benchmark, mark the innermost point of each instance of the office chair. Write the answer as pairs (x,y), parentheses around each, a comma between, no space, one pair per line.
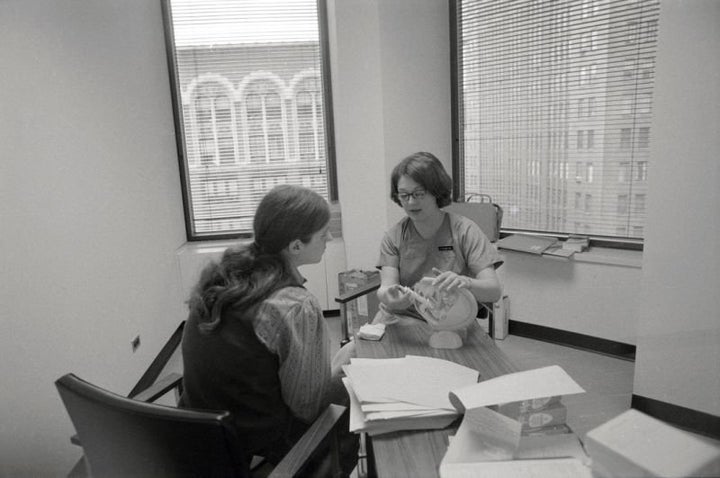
(124,437)
(477,207)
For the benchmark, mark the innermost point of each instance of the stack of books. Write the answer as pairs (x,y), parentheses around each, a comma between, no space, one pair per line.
(410,393)
(539,416)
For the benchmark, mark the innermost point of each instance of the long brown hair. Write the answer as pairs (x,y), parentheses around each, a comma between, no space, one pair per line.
(247,274)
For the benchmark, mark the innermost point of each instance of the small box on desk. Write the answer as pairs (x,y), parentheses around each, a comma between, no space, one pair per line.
(501,315)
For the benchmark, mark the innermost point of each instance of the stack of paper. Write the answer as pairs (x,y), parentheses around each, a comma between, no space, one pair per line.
(407,393)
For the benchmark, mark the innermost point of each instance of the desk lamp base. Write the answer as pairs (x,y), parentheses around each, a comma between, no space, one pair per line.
(445,339)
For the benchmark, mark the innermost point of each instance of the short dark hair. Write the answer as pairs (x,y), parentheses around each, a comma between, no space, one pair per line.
(426,170)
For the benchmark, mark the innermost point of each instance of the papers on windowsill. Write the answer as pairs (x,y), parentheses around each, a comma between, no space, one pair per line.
(558,251)
(533,244)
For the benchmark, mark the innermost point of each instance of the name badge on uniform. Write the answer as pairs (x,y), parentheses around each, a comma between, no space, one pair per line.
(445,248)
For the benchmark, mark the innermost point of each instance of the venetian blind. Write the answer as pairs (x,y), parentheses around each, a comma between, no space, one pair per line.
(554,114)
(250,104)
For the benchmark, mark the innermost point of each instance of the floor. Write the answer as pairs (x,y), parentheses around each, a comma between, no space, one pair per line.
(608,381)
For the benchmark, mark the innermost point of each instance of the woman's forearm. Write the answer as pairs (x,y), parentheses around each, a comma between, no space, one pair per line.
(486,289)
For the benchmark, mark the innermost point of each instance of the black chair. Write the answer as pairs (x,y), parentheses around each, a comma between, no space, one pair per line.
(129,437)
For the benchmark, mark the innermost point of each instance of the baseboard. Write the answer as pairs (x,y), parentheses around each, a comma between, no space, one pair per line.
(573,339)
(685,418)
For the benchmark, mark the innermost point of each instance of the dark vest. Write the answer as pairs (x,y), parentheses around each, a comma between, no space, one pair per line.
(230,369)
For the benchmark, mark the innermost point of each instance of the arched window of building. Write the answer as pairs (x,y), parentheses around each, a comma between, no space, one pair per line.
(263,115)
(212,121)
(306,91)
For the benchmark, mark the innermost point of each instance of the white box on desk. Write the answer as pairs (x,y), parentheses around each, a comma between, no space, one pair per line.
(501,315)
(636,445)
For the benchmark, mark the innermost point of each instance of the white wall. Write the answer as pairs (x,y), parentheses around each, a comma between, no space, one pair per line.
(391,91)
(91,212)
(678,345)
(595,299)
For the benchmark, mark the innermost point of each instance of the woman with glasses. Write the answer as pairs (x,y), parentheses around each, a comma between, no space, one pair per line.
(430,242)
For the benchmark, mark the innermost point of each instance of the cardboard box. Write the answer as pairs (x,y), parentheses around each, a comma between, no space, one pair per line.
(636,445)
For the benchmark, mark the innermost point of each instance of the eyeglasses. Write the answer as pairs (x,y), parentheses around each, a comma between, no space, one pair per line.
(418,194)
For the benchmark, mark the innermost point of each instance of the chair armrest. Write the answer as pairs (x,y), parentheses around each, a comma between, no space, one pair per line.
(292,463)
(359,292)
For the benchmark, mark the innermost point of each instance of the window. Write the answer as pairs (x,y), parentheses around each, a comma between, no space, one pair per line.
(251,102)
(509,80)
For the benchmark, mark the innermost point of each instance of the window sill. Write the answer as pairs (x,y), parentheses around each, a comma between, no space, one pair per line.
(595,255)
(609,256)
(209,247)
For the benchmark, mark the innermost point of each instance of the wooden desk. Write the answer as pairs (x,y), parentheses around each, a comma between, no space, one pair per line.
(417,454)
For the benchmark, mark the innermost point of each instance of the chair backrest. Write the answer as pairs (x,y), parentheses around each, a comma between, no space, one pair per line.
(486,214)
(123,437)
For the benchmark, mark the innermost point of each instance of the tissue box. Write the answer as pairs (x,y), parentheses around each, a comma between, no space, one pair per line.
(515,409)
(556,415)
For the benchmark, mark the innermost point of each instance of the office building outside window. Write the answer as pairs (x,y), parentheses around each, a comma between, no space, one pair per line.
(252,106)
(516,61)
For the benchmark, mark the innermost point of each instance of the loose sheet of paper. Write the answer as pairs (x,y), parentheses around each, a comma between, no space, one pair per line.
(541,382)
(423,381)
(484,435)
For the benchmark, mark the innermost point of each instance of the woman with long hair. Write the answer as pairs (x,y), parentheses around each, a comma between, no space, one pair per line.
(255,342)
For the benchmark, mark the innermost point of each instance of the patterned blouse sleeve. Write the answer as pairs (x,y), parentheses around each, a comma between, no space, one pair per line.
(292,326)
